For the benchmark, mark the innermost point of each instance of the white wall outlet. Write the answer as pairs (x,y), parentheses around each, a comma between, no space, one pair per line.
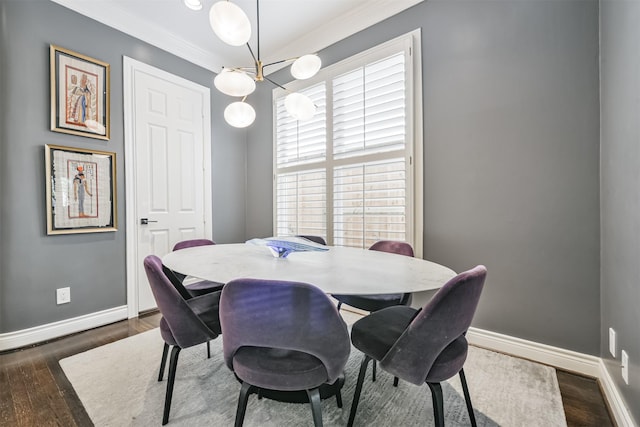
(612,342)
(63,295)
(625,367)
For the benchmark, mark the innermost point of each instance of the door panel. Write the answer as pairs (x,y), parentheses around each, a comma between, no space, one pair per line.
(169,174)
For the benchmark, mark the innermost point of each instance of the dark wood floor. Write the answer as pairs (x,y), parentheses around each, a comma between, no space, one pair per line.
(35,392)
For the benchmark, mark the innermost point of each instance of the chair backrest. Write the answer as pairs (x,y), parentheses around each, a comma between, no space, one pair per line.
(192,243)
(392,246)
(317,239)
(186,327)
(444,319)
(283,315)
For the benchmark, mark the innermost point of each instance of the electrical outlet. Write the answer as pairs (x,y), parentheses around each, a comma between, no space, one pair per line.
(63,295)
(612,342)
(625,367)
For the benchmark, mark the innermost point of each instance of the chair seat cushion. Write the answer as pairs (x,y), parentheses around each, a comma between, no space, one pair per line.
(204,287)
(376,333)
(278,369)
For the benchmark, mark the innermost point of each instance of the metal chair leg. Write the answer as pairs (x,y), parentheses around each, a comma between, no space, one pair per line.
(339,305)
(338,394)
(373,374)
(467,398)
(316,406)
(438,404)
(173,364)
(208,350)
(356,394)
(245,391)
(395,381)
(163,361)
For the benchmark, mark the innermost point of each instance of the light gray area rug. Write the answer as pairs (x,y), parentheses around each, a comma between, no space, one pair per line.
(117,384)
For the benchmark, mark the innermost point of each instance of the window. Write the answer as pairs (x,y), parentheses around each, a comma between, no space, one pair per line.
(349,174)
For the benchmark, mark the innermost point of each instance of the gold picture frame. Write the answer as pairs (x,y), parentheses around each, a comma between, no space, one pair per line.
(80,190)
(80,94)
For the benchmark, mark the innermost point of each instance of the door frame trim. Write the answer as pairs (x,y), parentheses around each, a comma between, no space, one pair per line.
(130,67)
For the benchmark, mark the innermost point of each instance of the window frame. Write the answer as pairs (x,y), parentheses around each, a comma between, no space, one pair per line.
(410,43)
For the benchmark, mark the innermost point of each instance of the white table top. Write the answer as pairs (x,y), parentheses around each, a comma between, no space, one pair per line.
(339,270)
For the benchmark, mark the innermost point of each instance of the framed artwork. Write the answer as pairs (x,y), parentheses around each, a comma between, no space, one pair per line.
(81,190)
(79,94)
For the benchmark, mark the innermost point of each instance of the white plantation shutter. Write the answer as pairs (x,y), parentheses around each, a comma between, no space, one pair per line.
(369,203)
(347,174)
(301,203)
(369,108)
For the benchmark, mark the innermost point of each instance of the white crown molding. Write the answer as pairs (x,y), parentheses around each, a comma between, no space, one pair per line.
(25,337)
(318,38)
(109,13)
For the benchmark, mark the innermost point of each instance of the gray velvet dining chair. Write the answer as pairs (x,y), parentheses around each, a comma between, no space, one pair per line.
(372,303)
(282,336)
(203,286)
(423,346)
(184,323)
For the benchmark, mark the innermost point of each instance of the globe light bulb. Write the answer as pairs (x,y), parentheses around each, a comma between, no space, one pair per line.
(230,23)
(306,67)
(234,83)
(239,114)
(299,106)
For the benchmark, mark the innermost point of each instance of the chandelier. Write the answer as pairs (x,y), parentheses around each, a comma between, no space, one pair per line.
(232,26)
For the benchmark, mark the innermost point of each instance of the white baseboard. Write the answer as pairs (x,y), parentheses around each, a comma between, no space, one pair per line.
(612,395)
(50,331)
(560,358)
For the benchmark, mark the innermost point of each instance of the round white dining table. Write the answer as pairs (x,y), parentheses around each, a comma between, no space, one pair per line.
(339,270)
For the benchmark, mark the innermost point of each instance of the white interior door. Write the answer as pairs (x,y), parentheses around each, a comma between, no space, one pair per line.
(170,134)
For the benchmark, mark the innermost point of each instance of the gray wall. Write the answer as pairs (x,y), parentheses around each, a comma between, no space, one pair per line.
(620,163)
(511,132)
(32,264)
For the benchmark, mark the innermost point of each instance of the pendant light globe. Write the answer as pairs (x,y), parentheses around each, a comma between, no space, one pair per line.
(239,114)
(299,106)
(230,23)
(306,67)
(234,82)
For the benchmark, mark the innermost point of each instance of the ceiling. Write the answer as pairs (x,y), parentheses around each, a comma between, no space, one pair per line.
(288,28)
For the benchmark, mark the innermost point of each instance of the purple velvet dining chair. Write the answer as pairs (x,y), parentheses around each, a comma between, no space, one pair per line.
(372,303)
(184,323)
(198,288)
(426,345)
(282,336)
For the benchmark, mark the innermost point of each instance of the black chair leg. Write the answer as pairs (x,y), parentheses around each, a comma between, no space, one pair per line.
(163,361)
(316,406)
(373,374)
(208,350)
(173,364)
(467,398)
(242,403)
(395,381)
(438,404)
(338,394)
(356,394)
(339,305)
